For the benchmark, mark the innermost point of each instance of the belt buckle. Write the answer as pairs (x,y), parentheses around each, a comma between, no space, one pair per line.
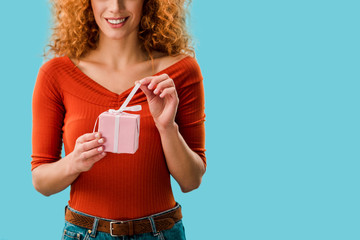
(111,228)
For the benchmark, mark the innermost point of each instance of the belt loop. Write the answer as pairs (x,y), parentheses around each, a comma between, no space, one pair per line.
(131,228)
(153,226)
(94,229)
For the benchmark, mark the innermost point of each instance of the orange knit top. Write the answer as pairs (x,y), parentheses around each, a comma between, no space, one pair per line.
(66,103)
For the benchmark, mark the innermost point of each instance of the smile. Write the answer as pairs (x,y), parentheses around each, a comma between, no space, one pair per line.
(116,21)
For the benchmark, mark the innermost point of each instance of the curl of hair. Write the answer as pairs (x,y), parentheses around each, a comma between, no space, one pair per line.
(162,28)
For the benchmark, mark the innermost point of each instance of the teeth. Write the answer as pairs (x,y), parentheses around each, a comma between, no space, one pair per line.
(116,21)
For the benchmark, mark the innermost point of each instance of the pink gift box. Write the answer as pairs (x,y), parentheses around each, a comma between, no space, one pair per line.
(121,131)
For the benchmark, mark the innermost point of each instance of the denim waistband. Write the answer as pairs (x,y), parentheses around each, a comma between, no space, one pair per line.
(142,218)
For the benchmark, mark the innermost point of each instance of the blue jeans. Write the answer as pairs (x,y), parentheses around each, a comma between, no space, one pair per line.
(71,231)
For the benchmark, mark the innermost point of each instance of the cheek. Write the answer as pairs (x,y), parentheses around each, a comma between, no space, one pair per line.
(136,7)
(97,9)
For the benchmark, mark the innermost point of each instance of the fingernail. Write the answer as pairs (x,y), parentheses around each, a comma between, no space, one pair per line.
(103,153)
(97,135)
(150,86)
(100,149)
(156,91)
(141,81)
(101,140)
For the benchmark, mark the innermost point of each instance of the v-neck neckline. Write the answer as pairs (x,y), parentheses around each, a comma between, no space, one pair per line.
(97,85)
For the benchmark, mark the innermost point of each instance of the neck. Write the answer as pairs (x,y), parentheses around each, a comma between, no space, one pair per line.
(119,53)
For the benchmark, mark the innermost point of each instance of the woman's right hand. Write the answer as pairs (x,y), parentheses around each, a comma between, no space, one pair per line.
(54,177)
(88,150)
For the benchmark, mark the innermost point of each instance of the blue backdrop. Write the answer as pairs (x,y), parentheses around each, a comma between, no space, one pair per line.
(282,88)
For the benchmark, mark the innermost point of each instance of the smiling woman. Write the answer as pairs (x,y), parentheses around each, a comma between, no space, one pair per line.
(101,49)
(162,25)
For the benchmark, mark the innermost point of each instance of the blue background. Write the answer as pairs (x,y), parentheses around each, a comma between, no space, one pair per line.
(282,88)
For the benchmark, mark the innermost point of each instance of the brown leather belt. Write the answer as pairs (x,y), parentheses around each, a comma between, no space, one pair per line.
(126,228)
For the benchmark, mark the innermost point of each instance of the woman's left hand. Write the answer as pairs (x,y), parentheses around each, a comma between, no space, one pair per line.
(162,99)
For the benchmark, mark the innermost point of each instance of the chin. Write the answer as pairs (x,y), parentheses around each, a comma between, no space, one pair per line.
(114,36)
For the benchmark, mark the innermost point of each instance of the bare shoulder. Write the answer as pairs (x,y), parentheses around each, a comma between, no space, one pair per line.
(163,62)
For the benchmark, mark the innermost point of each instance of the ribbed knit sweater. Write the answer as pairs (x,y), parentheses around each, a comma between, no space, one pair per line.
(66,103)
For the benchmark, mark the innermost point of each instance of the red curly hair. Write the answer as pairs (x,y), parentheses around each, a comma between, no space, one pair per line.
(162,28)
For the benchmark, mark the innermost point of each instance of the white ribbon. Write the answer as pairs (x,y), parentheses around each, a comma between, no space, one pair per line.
(116,133)
(123,107)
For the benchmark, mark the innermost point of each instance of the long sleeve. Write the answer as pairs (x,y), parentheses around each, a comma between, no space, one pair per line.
(48,117)
(191,111)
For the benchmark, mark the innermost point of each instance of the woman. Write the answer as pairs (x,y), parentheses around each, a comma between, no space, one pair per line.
(102,48)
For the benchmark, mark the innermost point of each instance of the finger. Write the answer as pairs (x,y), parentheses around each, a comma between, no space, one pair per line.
(91,153)
(145,81)
(87,137)
(164,84)
(156,80)
(171,91)
(98,157)
(92,144)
